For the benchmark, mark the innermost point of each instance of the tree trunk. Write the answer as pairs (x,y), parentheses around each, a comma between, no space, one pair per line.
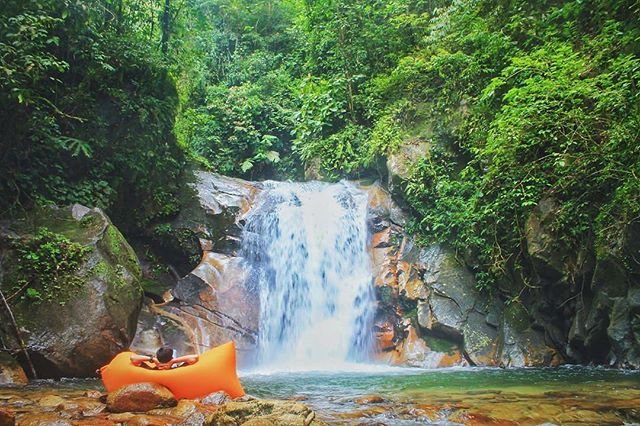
(15,326)
(165,23)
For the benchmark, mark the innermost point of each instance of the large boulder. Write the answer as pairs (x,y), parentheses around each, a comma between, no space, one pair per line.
(210,205)
(213,302)
(74,322)
(140,397)
(454,308)
(213,207)
(521,345)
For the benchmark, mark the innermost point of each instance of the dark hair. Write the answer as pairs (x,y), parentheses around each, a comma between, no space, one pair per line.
(164,354)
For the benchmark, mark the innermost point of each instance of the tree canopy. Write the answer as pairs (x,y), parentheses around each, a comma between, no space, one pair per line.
(102,101)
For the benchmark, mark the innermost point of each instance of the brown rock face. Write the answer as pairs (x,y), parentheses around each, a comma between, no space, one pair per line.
(140,397)
(430,313)
(11,373)
(7,417)
(213,303)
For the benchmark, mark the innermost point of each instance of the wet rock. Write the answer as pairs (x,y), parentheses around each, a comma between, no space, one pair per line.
(51,401)
(216,398)
(275,412)
(11,373)
(66,339)
(93,394)
(190,412)
(383,211)
(7,417)
(44,419)
(259,422)
(94,421)
(140,397)
(149,420)
(299,398)
(369,399)
(90,408)
(523,346)
(244,398)
(385,336)
(478,419)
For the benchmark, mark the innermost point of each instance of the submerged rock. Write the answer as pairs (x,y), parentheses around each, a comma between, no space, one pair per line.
(88,323)
(263,412)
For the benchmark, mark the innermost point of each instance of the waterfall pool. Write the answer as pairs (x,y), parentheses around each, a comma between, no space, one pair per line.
(469,396)
(403,397)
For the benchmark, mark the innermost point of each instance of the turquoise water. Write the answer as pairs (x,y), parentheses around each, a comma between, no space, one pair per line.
(568,395)
(408,397)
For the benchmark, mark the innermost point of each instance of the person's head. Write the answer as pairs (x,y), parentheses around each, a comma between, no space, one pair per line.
(164,354)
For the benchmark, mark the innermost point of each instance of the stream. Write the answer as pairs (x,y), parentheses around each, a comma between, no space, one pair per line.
(397,396)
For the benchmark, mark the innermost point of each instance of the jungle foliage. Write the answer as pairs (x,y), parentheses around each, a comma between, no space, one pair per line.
(86,108)
(519,101)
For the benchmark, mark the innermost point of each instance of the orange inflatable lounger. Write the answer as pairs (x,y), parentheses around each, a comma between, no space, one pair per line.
(214,371)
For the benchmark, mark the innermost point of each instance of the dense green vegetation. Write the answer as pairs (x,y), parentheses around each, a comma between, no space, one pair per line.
(519,101)
(86,108)
(47,266)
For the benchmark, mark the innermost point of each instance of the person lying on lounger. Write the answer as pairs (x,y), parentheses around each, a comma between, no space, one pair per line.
(163,360)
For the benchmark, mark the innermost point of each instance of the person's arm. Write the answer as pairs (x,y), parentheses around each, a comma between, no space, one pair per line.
(139,359)
(187,359)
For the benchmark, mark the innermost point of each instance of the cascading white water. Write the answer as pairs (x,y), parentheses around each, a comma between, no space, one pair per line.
(307,247)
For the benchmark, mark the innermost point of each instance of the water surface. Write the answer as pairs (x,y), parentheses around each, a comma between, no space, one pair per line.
(479,396)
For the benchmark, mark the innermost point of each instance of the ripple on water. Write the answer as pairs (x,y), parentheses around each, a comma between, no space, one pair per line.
(462,396)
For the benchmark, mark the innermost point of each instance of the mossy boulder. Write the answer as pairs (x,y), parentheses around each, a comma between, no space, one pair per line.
(71,322)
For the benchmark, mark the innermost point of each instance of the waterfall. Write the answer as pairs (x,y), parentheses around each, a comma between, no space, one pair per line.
(306,245)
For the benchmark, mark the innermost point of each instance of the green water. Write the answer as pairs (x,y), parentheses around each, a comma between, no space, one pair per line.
(407,397)
(563,396)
